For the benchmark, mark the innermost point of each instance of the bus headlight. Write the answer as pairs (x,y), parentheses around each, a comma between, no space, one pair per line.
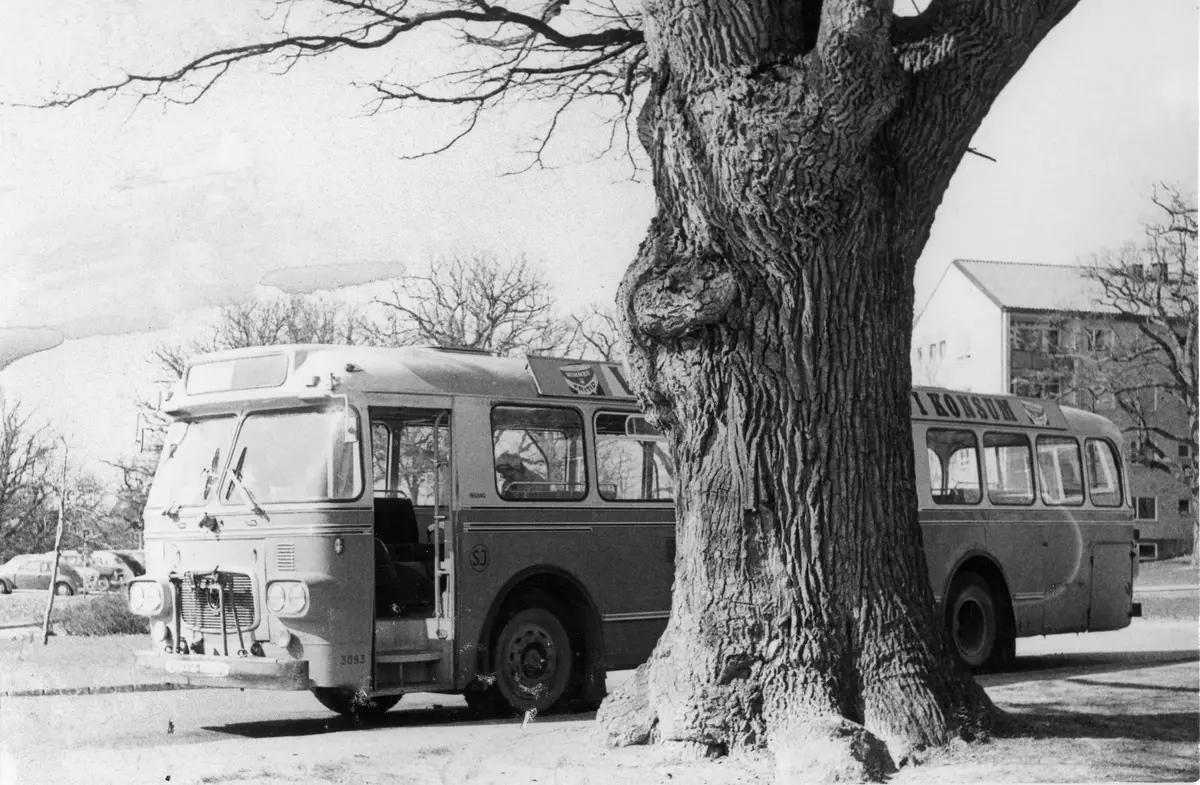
(287,598)
(146,598)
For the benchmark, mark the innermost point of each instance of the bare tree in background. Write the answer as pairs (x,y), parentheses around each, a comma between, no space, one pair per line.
(26,451)
(1150,368)
(289,319)
(473,302)
(136,473)
(596,335)
(799,151)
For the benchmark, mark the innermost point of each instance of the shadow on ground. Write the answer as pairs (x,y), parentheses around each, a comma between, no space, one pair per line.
(437,715)
(1059,666)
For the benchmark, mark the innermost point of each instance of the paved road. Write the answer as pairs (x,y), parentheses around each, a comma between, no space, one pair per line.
(148,737)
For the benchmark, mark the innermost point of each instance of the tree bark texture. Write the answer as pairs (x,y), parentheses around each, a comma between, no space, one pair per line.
(799,151)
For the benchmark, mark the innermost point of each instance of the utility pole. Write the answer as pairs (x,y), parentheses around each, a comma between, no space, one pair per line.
(62,514)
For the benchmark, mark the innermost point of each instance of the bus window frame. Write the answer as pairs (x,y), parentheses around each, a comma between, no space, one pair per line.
(1115,453)
(978,465)
(596,446)
(1034,497)
(1041,491)
(228,462)
(584,449)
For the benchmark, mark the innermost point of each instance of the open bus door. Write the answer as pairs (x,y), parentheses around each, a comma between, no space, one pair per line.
(413,472)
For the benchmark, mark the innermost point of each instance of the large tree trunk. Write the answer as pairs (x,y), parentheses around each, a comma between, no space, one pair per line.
(799,154)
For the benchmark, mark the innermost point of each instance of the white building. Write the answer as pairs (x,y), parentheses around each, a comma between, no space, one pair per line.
(1001,327)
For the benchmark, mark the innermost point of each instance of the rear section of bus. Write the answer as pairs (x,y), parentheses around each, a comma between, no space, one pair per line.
(1025,519)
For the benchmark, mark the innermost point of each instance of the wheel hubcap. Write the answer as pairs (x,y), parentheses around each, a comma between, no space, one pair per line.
(532,661)
(970,627)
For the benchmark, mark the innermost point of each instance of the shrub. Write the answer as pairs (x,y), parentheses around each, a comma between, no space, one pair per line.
(107,614)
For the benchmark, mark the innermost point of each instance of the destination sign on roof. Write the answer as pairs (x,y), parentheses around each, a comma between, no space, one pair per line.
(996,409)
(578,378)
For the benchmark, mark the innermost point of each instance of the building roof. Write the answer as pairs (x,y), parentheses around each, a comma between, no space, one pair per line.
(1036,287)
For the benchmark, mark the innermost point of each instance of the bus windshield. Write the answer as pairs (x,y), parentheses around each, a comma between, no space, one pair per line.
(278,457)
(191,457)
(294,456)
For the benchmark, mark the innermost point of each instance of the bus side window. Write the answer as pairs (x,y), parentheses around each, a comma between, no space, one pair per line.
(629,468)
(1009,467)
(379,454)
(538,453)
(1060,474)
(955,479)
(1104,476)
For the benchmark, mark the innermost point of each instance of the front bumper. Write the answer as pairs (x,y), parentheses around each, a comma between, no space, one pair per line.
(206,670)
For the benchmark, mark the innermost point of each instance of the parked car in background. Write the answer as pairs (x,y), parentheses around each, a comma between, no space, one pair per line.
(32,572)
(131,561)
(111,571)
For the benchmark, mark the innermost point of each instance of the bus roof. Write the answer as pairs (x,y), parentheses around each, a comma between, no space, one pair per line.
(938,404)
(304,369)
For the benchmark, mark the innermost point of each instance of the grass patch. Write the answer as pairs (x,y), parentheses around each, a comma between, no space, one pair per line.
(86,615)
(105,614)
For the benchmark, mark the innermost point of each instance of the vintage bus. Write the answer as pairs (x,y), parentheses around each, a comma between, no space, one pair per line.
(1025,519)
(367,522)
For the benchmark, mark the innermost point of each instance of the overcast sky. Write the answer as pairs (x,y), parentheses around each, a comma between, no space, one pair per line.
(114,220)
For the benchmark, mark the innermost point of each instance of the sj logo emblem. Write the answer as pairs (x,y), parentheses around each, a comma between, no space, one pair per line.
(479,558)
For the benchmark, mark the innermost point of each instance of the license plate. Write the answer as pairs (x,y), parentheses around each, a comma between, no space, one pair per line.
(198,667)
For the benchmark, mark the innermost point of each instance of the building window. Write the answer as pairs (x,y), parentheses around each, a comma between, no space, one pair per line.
(1101,340)
(1146,508)
(1184,451)
(918,354)
(1185,506)
(942,349)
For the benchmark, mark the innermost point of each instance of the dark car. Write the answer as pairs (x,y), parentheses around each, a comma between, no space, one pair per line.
(32,572)
(111,571)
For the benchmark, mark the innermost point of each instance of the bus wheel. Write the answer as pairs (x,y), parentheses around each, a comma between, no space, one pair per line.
(533,660)
(63,589)
(102,584)
(972,620)
(4,588)
(354,704)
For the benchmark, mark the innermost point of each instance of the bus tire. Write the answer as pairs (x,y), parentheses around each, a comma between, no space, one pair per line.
(5,588)
(533,659)
(973,621)
(353,704)
(102,584)
(63,589)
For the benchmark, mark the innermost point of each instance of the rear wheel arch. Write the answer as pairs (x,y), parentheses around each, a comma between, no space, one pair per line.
(562,593)
(986,568)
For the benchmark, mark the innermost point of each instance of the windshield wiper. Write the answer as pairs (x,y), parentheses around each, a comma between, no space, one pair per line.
(236,475)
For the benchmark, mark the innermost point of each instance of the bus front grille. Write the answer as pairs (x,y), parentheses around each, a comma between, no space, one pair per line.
(200,601)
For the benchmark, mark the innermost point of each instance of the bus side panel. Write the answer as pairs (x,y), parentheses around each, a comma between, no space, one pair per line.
(1113,564)
(621,565)
(335,635)
(948,536)
(1067,576)
(1015,539)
